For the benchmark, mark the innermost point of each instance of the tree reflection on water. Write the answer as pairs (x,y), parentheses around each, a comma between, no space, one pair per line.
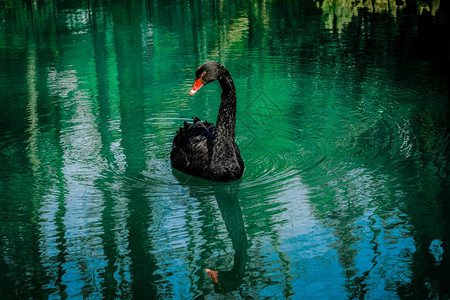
(337,14)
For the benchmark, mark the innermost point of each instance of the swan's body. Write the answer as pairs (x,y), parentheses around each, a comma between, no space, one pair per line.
(202,149)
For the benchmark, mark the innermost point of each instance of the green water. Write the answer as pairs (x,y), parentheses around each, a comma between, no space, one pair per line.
(342,123)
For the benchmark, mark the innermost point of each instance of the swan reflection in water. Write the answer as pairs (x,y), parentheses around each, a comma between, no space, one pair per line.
(227,199)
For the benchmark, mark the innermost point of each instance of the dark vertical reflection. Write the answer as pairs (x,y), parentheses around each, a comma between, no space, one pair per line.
(61,241)
(111,288)
(428,208)
(227,197)
(21,272)
(230,279)
(127,41)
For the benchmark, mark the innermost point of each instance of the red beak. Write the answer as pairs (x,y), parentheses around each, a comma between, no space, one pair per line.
(197,85)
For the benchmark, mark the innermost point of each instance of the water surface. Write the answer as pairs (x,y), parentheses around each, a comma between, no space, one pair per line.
(342,124)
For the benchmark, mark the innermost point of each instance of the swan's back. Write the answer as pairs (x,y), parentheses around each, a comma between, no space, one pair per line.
(192,147)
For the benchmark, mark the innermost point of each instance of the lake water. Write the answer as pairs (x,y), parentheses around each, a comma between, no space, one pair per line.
(342,123)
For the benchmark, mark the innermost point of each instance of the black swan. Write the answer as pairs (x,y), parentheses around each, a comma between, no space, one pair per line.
(202,149)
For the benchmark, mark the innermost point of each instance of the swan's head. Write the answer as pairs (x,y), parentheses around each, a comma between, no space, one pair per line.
(206,73)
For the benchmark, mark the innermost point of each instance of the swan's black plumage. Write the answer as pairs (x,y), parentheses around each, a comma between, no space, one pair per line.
(204,150)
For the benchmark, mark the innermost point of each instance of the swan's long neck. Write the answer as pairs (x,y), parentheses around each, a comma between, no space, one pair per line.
(226,119)
(224,160)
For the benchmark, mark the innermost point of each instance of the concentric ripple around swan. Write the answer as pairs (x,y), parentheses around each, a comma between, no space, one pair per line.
(315,140)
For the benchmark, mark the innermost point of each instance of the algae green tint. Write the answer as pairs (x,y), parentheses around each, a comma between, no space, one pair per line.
(341,120)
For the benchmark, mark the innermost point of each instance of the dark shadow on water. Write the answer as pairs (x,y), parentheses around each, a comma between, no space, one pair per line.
(227,197)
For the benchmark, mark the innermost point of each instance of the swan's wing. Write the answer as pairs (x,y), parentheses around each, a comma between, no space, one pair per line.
(192,157)
(191,146)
